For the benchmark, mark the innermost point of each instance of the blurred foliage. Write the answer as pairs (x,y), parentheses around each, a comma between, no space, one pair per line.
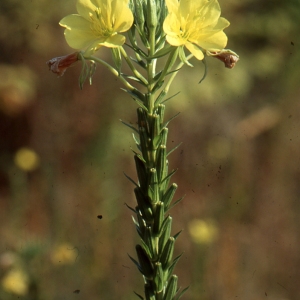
(238,165)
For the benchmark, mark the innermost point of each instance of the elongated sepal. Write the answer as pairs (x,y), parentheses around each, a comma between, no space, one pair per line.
(159,277)
(165,233)
(151,14)
(164,101)
(141,172)
(168,196)
(171,288)
(144,262)
(162,163)
(158,218)
(143,204)
(149,292)
(117,58)
(144,142)
(155,126)
(182,57)
(149,241)
(143,119)
(160,97)
(153,186)
(205,70)
(161,112)
(167,254)
(136,263)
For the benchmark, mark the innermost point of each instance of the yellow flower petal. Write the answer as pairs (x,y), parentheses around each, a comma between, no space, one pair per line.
(195,51)
(97,24)
(191,23)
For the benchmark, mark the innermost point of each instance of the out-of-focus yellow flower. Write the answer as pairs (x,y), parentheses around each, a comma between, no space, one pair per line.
(64,254)
(195,24)
(203,231)
(26,159)
(16,281)
(97,24)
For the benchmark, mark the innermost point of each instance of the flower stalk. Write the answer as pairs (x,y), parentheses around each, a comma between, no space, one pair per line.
(156,29)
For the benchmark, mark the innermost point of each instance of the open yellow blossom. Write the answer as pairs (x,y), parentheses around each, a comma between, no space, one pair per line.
(194,24)
(97,24)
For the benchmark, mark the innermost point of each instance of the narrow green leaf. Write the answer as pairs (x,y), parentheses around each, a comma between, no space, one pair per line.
(167,123)
(170,98)
(181,293)
(132,209)
(169,175)
(137,97)
(172,266)
(144,261)
(141,172)
(173,149)
(130,126)
(139,295)
(176,202)
(165,233)
(130,179)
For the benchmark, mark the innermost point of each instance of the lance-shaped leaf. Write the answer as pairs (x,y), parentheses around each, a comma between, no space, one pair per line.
(175,203)
(143,204)
(161,111)
(141,172)
(129,125)
(173,149)
(137,97)
(172,266)
(117,58)
(167,254)
(167,123)
(137,227)
(149,241)
(144,262)
(181,293)
(168,177)
(171,288)
(158,218)
(168,196)
(140,297)
(149,292)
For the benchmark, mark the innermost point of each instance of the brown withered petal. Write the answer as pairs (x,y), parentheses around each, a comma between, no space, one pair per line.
(228,58)
(59,65)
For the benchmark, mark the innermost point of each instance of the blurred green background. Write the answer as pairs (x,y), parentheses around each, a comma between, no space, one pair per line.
(63,152)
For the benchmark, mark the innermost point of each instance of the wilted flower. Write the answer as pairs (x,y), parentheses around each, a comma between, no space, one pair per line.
(59,65)
(97,24)
(196,25)
(228,57)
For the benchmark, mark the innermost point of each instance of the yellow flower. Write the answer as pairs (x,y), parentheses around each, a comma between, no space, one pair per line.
(97,24)
(194,24)
(16,282)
